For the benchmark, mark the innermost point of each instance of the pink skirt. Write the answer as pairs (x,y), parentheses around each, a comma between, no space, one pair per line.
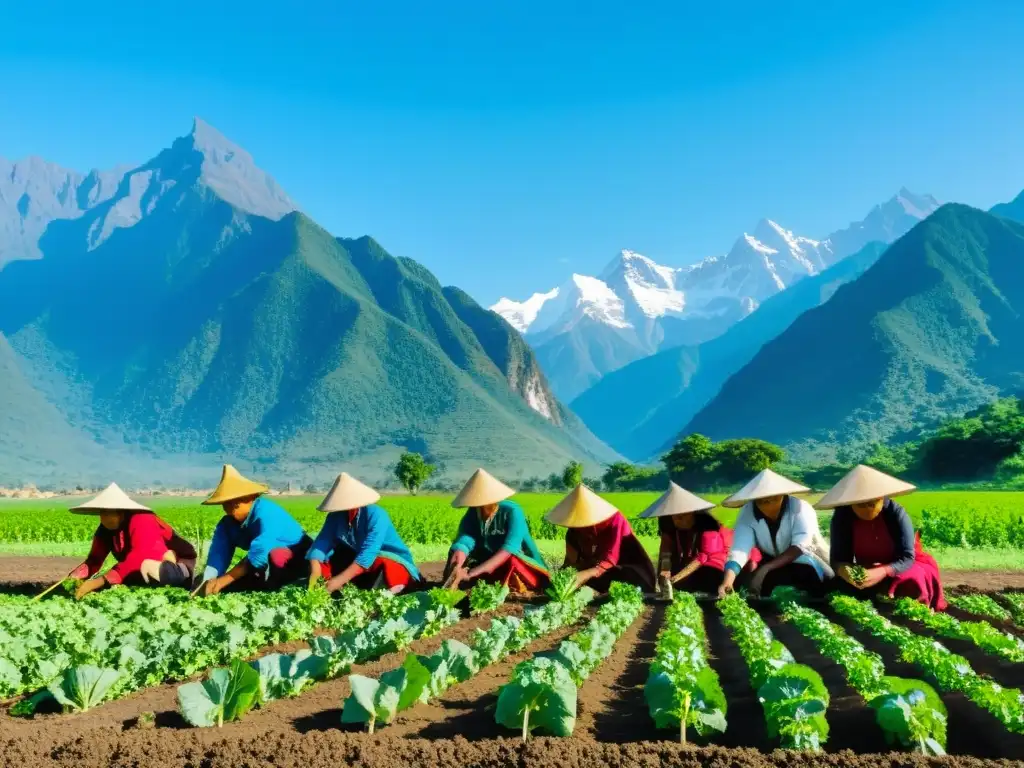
(921,582)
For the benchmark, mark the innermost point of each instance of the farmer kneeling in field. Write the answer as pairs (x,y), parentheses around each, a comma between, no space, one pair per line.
(694,544)
(600,543)
(494,542)
(785,529)
(874,548)
(147,549)
(358,543)
(275,542)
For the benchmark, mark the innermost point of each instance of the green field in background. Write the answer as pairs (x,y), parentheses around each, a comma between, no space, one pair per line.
(959,519)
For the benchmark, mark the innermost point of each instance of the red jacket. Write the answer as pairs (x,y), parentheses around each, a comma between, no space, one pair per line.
(142,536)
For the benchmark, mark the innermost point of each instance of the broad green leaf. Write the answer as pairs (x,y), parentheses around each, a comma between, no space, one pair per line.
(461,660)
(81,688)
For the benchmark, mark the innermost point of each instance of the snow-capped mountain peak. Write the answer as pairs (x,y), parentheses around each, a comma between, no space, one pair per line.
(521,314)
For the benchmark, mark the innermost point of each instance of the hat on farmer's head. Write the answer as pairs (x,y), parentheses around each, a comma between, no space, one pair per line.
(581,508)
(764,485)
(348,493)
(863,484)
(113,499)
(481,490)
(677,501)
(233,486)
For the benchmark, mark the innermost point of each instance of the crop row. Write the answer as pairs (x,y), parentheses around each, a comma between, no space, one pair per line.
(227,694)
(793,696)
(149,636)
(981,633)
(952,673)
(909,712)
(682,690)
(423,678)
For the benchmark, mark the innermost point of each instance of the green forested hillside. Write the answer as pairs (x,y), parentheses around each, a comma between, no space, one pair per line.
(201,333)
(935,328)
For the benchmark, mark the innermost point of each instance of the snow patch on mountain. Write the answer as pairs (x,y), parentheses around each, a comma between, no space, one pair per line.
(521,314)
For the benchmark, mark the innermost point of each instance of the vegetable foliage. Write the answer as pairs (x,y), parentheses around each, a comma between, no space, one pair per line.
(682,690)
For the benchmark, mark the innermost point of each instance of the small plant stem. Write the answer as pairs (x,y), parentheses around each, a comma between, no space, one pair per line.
(682,720)
(526,724)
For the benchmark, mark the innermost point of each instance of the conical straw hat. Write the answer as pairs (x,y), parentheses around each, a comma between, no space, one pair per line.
(348,493)
(481,490)
(113,499)
(765,484)
(580,509)
(233,486)
(863,484)
(677,501)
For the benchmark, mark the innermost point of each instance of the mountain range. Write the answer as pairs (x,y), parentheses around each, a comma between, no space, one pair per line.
(156,321)
(934,328)
(590,326)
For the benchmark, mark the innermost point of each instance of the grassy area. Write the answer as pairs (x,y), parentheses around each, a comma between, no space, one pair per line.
(959,558)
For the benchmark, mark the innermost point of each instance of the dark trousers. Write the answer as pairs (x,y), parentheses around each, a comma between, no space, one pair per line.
(705,579)
(284,566)
(625,574)
(798,575)
(171,575)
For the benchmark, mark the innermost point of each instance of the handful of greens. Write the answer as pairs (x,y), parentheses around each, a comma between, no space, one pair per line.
(858,573)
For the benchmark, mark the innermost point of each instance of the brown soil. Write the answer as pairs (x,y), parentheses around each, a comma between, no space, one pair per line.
(458,729)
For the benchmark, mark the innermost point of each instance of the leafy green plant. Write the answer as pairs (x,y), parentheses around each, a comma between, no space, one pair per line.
(682,690)
(422,678)
(485,598)
(858,573)
(537,695)
(226,695)
(981,633)
(982,605)
(793,696)
(563,584)
(909,712)
(951,673)
(82,688)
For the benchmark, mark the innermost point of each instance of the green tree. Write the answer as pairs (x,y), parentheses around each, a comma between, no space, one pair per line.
(572,475)
(690,459)
(617,474)
(412,471)
(739,459)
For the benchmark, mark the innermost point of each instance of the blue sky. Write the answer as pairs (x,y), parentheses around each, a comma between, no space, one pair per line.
(505,144)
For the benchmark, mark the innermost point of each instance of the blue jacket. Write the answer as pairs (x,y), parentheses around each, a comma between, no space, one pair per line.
(268,526)
(372,535)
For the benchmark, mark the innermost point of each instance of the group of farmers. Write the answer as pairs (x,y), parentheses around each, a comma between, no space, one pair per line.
(776,541)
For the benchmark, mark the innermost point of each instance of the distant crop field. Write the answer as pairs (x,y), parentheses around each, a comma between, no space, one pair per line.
(983,519)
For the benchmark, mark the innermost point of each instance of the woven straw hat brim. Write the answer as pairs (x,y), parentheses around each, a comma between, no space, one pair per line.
(112,499)
(233,486)
(346,494)
(481,490)
(764,485)
(862,484)
(580,509)
(677,501)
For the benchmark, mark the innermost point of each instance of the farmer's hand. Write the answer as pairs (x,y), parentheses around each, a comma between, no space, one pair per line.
(213,586)
(757,581)
(150,570)
(314,573)
(725,589)
(170,557)
(872,577)
(844,573)
(90,585)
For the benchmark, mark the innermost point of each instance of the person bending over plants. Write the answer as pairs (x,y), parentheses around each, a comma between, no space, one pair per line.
(147,550)
(874,548)
(275,543)
(494,542)
(358,542)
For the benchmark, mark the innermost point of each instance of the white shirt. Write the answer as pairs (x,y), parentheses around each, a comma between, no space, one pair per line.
(798,527)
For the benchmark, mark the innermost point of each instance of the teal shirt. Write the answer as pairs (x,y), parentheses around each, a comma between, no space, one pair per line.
(507,530)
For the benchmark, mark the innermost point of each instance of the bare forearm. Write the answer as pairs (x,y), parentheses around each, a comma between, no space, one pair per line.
(783,560)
